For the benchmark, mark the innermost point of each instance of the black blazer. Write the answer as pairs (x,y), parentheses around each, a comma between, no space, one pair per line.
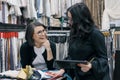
(28,55)
(91,47)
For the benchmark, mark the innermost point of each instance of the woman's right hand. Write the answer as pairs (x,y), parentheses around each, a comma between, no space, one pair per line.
(85,67)
(56,74)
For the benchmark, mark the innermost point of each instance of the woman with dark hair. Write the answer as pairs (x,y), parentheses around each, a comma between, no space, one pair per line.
(86,43)
(37,51)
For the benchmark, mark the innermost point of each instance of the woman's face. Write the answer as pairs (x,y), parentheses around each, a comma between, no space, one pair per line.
(70,21)
(39,35)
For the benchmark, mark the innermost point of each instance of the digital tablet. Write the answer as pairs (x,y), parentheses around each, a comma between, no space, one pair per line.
(68,64)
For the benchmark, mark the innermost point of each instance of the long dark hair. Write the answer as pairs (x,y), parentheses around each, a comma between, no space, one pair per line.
(30,32)
(82,22)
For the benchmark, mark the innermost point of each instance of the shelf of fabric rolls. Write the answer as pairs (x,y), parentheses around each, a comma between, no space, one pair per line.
(113,38)
(109,44)
(10,41)
(60,37)
(116,40)
(116,37)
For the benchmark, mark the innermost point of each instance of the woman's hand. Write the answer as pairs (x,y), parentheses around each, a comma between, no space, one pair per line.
(56,74)
(46,44)
(85,67)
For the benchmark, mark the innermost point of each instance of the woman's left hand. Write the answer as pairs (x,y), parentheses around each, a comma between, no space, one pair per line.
(46,44)
(85,67)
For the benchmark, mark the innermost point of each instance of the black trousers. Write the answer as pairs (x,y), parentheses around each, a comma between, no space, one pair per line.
(116,74)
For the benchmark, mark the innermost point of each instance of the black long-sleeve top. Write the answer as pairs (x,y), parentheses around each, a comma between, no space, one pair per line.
(28,55)
(92,46)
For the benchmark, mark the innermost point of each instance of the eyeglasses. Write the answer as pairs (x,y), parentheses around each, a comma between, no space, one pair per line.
(40,32)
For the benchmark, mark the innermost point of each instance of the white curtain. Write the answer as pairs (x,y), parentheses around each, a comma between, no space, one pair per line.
(112,11)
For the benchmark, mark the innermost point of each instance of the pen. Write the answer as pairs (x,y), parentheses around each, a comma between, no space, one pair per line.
(91,59)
